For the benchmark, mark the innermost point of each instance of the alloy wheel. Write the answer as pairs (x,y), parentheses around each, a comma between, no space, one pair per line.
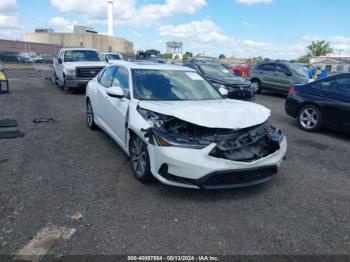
(138,157)
(309,118)
(89,114)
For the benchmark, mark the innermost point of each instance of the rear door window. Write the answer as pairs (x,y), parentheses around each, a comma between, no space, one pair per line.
(267,67)
(325,85)
(343,85)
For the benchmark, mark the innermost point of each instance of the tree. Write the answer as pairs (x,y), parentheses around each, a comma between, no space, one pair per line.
(320,48)
(304,59)
(186,57)
(168,56)
(222,56)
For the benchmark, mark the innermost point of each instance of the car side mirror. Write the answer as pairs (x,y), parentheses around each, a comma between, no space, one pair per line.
(223,91)
(115,91)
(60,60)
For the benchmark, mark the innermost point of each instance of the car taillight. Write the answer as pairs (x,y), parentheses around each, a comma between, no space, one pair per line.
(291,90)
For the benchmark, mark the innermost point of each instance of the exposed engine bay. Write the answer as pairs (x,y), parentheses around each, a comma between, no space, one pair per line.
(243,145)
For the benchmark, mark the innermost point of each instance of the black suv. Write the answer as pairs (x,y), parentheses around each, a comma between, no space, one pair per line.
(219,76)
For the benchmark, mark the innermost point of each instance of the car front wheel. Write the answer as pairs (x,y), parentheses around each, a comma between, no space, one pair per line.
(90,118)
(139,157)
(310,118)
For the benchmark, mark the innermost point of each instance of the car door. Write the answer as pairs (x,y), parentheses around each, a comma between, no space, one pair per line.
(116,109)
(265,73)
(327,98)
(59,66)
(104,81)
(342,93)
(282,78)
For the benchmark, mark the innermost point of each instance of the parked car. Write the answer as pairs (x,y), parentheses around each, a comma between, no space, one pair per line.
(219,76)
(325,102)
(75,67)
(179,129)
(277,76)
(112,57)
(12,57)
(35,58)
(242,71)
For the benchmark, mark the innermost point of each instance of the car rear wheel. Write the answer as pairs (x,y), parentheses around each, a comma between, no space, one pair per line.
(140,162)
(256,84)
(90,118)
(310,118)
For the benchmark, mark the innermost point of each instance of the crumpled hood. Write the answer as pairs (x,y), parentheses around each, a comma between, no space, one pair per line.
(225,113)
(228,80)
(73,65)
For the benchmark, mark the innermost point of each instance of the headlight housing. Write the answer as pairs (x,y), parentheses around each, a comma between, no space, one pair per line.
(69,72)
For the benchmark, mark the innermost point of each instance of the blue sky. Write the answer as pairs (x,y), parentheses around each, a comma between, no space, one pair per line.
(242,28)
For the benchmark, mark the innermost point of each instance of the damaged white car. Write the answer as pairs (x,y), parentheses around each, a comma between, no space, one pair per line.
(179,129)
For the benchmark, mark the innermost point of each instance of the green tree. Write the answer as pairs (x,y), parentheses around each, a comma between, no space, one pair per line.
(304,59)
(186,57)
(320,48)
(222,56)
(167,56)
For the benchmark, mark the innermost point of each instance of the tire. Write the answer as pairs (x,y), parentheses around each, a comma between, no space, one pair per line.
(90,117)
(139,158)
(310,118)
(257,85)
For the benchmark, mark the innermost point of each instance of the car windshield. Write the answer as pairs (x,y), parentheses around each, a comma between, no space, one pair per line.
(300,70)
(171,85)
(215,70)
(82,55)
(113,56)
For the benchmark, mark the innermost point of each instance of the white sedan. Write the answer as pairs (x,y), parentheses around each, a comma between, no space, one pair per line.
(179,129)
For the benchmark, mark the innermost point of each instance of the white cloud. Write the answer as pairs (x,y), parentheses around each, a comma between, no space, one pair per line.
(10,25)
(8,6)
(204,31)
(62,23)
(252,2)
(126,11)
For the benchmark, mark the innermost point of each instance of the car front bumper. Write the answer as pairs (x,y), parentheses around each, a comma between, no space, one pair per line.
(243,94)
(195,168)
(76,83)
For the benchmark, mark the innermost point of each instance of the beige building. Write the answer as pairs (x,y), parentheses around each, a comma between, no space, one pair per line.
(103,43)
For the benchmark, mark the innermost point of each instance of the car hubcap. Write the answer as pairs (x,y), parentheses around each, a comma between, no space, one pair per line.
(255,86)
(89,114)
(309,118)
(138,157)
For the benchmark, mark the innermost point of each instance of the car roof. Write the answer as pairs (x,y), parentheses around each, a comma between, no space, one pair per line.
(151,65)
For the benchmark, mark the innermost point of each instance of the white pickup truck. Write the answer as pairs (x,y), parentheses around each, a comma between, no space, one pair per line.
(75,67)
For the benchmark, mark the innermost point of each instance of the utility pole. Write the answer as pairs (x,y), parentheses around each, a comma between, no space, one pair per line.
(339,52)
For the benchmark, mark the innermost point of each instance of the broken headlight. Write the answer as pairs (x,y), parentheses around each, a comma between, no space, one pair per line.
(158,134)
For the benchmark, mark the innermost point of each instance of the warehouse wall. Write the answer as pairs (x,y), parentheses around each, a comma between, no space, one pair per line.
(20,46)
(103,43)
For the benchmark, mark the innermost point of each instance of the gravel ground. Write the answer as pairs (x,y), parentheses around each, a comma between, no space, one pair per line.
(59,169)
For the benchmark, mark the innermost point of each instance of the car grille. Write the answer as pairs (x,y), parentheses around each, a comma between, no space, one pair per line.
(87,72)
(239,177)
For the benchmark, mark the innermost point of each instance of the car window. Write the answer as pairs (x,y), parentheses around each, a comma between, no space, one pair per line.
(215,70)
(343,85)
(282,69)
(326,85)
(267,67)
(121,78)
(107,76)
